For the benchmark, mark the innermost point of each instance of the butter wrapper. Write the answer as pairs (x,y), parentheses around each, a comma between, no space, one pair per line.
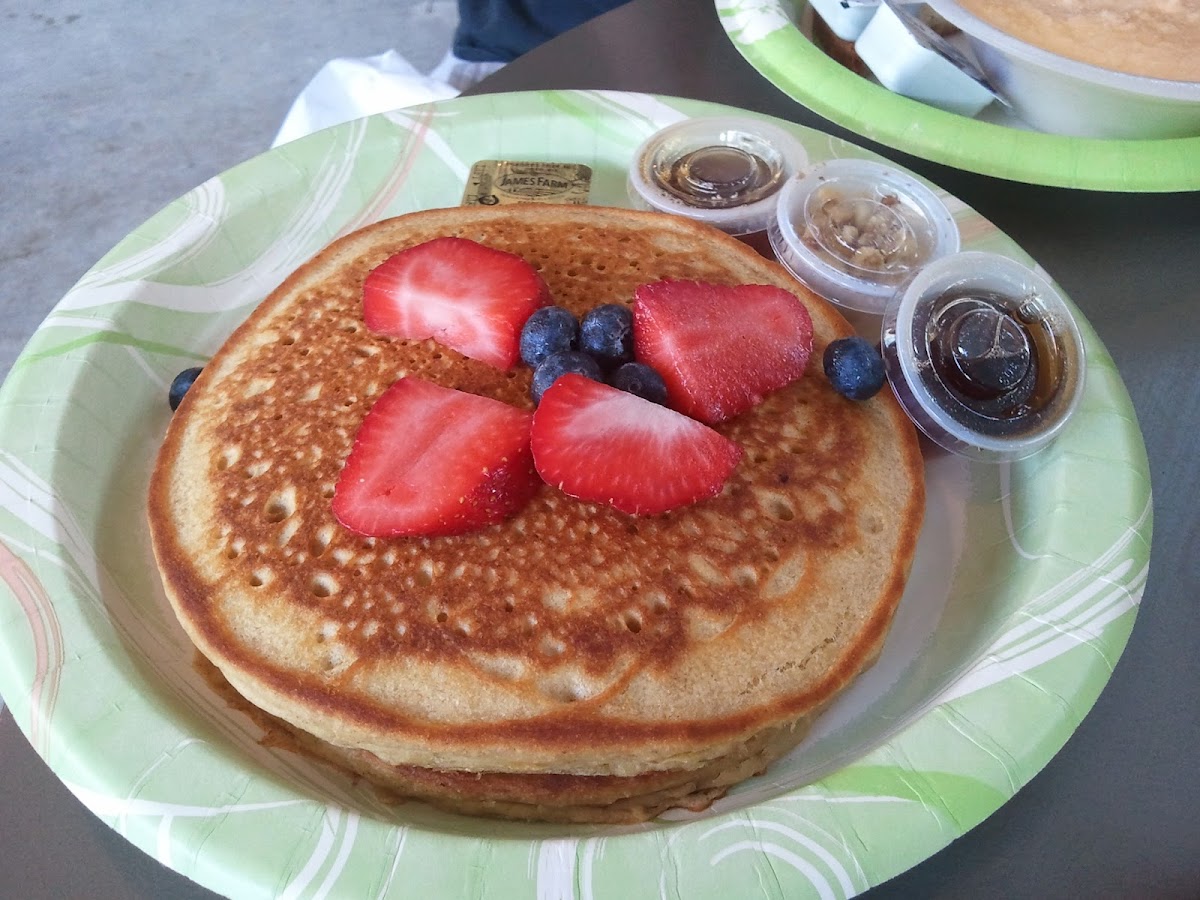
(492,182)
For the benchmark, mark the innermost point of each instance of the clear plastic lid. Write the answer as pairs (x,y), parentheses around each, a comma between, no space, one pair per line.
(984,355)
(855,231)
(726,171)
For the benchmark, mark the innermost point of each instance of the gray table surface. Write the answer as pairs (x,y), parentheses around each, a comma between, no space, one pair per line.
(1117,812)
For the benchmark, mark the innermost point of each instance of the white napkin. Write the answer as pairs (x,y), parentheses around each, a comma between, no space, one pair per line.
(346,89)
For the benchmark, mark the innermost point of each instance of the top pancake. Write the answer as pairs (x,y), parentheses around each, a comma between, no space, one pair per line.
(571,638)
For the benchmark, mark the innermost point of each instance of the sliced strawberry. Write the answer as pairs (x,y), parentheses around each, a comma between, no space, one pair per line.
(720,349)
(471,298)
(430,460)
(597,443)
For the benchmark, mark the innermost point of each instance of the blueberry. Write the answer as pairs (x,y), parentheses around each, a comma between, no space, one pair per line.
(549,329)
(181,384)
(559,364)
(638,378)
(606,333)
(854,368)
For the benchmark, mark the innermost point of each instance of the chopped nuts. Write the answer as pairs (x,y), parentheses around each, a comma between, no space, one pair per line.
(862,232)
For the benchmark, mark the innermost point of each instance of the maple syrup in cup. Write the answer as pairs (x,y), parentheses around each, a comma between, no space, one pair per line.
(725,171)
(984,355)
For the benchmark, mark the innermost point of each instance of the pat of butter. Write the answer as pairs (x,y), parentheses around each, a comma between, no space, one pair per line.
(905,65)
(493,182)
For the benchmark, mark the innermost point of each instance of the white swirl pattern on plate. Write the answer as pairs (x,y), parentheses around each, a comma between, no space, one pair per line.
(753,20)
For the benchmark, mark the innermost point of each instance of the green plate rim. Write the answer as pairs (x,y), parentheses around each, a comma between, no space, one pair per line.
(791,62)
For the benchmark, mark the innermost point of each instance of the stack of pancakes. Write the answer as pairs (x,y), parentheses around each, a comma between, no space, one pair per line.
(573,663)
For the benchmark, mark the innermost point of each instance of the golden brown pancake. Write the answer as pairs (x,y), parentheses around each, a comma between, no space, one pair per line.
(572,663)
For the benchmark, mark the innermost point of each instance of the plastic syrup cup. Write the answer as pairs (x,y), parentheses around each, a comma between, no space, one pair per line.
(725,171)
(984,355)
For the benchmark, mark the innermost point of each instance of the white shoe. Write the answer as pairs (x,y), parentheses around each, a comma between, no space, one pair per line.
(462,73)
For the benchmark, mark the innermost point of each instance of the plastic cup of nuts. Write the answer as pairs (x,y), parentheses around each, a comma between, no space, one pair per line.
(855,231)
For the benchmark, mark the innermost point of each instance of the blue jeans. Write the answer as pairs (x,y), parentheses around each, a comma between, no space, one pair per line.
(495,31)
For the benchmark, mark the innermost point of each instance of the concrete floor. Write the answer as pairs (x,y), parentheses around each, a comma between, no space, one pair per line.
(109,111)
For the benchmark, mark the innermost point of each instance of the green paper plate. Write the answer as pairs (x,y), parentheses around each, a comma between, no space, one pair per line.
(767,34)
(1023,593)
